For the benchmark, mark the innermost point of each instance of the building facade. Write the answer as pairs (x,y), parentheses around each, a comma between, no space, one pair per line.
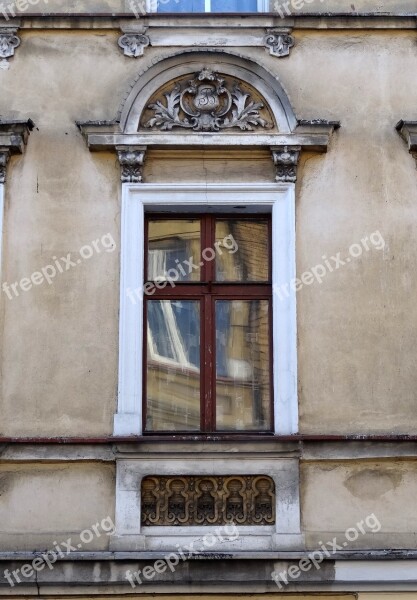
(207,304)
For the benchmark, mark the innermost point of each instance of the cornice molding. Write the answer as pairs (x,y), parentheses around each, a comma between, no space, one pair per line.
(101,136)
(127,22)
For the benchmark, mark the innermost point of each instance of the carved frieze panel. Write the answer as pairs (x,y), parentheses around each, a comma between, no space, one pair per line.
(201,500)
(207,101)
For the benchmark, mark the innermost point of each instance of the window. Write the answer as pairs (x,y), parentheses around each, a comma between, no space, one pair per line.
(147,202)
(214,6)
(208,324)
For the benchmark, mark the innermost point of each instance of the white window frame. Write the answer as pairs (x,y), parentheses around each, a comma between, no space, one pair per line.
(279,199)
(152,6)
(1,222)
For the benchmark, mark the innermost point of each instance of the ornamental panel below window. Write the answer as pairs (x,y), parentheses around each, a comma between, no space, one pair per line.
(201,500)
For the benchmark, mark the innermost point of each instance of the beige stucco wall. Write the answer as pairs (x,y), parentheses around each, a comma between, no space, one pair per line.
(43,504)
(58,362)
(59,341)
(383,489)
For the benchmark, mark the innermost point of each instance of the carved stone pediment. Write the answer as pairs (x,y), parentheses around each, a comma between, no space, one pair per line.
(208,102)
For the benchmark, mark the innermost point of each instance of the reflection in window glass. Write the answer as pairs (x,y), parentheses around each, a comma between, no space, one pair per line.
(236,6)
(174,250)
(242,365)
(173,365)
(243,250)
(201,6)
(181,6)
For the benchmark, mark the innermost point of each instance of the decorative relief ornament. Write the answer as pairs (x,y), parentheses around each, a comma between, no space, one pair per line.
(285,160)
(133,44)
(207,104)
(4,157)
(131,162)
(200,500)
(8,43)
(278,42)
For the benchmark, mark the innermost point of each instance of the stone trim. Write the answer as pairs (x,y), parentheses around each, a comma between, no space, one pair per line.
(131,161)
(9,41)
(133,44)
(13,139)
(286,160)
(4,158)
(95,573)
(123,132)
(132,535)
(408,131)
(111,18)
(278,42)
(186,500)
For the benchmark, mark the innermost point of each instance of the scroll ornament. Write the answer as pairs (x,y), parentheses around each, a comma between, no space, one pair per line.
(207,104)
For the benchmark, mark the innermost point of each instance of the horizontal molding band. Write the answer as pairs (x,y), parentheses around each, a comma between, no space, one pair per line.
(118,20)
(266,438)
(303,448)
(370,556)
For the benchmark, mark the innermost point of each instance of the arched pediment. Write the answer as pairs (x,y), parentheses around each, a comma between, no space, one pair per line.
(214,71)
(207,98)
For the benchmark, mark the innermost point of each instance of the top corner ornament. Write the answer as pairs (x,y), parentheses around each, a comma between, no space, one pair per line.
(206,103)
(278,42)
(9,41)
(133,44)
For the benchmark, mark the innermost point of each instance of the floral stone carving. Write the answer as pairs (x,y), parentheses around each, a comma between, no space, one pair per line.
(207,103)
(208,500)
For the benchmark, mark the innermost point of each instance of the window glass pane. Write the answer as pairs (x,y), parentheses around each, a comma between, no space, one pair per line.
(237,6)
(242,250)
(174,250)
(173,365)
(181,6)
(242,365)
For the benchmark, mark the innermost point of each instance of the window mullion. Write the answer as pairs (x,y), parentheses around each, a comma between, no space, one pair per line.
(207,5)
(207,355)
(207,241)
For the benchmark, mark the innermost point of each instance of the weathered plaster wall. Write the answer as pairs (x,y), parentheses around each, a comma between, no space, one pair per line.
(383,489)
(59,341)
(43,504)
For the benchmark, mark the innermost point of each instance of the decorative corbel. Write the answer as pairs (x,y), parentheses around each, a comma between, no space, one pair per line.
(408,131)
(285,160)
(131,160)
(4,157)
(278,42)
(133,44)
(9,41)
(13,139)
